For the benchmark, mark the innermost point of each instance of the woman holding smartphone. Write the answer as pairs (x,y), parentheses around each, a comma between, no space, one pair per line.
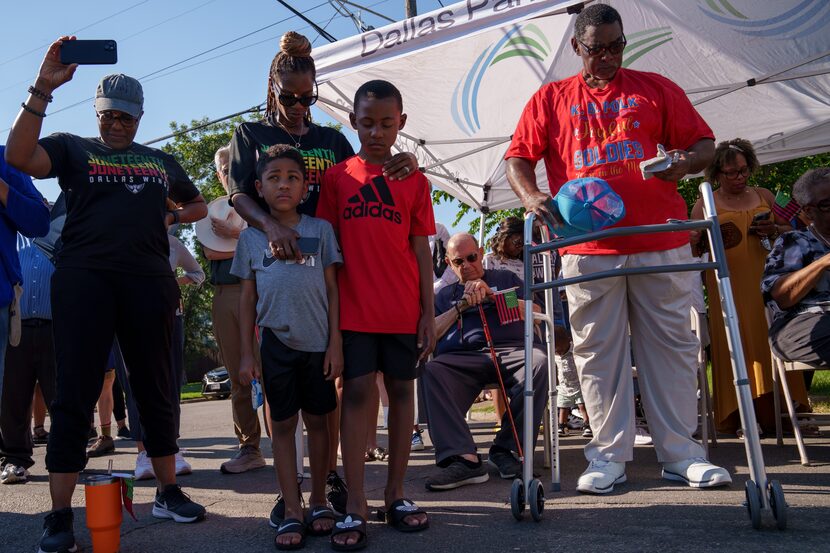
(749,227)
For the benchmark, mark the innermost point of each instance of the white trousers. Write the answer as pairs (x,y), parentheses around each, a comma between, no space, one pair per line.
(655,307)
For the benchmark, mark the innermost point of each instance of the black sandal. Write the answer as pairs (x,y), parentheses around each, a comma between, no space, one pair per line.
(315,514)
(291,526)
(378,454)
(350,523)
(399,510)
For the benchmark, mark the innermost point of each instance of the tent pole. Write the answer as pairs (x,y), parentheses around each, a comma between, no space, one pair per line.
(481,230)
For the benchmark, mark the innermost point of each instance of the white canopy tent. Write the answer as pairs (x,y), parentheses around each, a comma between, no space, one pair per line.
(756,70)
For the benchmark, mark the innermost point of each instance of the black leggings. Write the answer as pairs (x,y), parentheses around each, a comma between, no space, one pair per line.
(88,309)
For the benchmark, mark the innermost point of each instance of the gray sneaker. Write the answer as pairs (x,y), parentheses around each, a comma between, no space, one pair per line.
(457,474)
(13,474)
(247,458)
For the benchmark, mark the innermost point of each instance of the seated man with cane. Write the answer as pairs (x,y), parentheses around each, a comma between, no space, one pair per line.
(462,366)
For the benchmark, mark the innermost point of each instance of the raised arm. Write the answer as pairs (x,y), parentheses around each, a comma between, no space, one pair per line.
(22,149)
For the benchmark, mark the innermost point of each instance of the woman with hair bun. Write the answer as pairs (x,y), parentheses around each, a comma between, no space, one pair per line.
(748,225)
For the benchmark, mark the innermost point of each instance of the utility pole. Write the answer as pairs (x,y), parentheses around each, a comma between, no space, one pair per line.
(411,8)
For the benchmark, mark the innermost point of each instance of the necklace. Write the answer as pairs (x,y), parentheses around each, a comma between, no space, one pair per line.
(820,236)
(296,140)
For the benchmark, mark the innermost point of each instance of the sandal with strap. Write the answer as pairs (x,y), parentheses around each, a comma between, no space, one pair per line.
(350,523)
(398,511)
(378,454)
(291,526)
(319,513)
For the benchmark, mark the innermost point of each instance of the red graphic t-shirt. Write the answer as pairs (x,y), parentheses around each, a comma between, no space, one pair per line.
(374,218)
(586,132)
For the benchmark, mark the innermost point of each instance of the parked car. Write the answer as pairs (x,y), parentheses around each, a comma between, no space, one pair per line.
(216,383)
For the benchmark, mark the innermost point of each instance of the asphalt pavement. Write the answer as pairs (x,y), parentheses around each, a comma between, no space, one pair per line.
(644,514)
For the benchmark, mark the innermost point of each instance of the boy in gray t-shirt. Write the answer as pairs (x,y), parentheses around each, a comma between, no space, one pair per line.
(295,304)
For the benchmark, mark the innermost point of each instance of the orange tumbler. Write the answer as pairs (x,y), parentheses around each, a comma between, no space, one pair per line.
(103,512)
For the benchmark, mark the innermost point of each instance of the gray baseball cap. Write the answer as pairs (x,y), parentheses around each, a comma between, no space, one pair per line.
(120,93)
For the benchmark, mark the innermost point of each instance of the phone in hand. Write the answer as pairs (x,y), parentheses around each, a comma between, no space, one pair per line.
(758,217)
(89,52)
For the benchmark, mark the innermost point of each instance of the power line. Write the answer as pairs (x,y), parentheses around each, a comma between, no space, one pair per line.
(42,46)
(246,35)
(322,32)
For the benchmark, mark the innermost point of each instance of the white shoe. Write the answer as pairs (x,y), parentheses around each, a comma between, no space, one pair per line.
(182,466)
(13,474)
(600,476)
(697,473)
(143,467)
(642,437)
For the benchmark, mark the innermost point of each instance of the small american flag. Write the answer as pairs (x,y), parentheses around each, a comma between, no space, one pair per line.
(507,305)
(785,205)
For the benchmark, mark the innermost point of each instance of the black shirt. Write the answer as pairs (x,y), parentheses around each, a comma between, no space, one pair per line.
(115,202)
(322,147)
(509,335)
(220,272)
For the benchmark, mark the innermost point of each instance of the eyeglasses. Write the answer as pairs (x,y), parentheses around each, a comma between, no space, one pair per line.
(109,117)
(614,48)
(289,100)
(459,261)
(823,206)
(731,175)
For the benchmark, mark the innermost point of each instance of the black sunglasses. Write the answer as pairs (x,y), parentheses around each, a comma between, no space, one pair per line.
(614,48)
(289,100)
(732,175)
(109,117)
(459,261)
(823,206)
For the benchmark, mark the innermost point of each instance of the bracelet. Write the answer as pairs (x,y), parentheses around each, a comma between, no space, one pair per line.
(32,111)
(457,310)
(37,93)
(175,214)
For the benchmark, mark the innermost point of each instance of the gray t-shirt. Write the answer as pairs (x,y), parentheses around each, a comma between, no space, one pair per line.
(292,297)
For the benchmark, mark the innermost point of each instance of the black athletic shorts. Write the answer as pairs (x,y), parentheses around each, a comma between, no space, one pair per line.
(294,380)
(395,355)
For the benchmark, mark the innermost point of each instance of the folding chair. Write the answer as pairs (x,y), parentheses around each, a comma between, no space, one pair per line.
(780,368)
(706,415)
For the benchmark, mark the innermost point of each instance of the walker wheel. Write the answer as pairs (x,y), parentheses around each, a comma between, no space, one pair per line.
(536,499)
(753,503)
(517,498)
(778,504)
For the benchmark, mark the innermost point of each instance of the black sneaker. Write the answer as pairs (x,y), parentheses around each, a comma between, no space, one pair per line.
(337,493)
(58,536)
(174,503)
(40,436)
(92,434)
(124,433)
(277,516)
(508,466)
(458,473)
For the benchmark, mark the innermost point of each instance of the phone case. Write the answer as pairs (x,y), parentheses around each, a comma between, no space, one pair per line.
(89,52)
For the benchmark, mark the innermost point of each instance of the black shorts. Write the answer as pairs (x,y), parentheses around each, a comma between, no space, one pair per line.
(395,355)
(294,380)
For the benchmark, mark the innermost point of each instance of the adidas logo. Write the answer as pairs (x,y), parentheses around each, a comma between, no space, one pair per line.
(373,202)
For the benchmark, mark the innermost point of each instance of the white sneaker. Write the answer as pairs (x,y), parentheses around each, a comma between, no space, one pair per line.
(143,467)
(642,437)
(600,476)
(182,466)
(13,474)
(697,473)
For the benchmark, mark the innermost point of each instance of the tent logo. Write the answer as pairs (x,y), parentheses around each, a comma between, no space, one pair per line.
(527,42)
(801,20)
(643,42)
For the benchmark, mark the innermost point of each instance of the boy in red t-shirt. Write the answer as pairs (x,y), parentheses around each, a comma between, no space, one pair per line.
(387,311)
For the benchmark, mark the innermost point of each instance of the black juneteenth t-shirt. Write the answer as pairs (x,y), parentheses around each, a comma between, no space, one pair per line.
(321,147)
(115,202)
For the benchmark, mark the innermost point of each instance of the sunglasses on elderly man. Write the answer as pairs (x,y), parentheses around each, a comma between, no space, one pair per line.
(615,48)
(823,206)
(459,261)
(110,117)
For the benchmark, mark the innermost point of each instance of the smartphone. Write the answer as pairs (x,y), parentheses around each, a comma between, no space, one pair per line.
(89,52)
(308,246)
(758,217)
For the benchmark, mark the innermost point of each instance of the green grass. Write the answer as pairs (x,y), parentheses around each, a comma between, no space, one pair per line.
(192,390)
(820,392)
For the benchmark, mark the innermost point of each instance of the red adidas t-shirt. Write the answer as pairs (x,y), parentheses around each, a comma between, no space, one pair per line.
(374,218)
(586,132)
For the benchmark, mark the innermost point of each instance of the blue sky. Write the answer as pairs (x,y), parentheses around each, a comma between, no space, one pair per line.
(155,34)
